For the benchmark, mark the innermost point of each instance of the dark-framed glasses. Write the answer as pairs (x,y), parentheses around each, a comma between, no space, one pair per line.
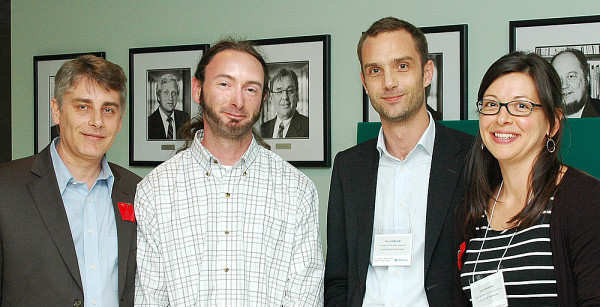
(288,91)
(519,107)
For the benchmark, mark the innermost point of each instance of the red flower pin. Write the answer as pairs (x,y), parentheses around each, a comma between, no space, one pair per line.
(127,213)
(461,252)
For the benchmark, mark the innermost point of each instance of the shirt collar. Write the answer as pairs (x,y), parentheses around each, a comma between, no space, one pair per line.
(425,142)
(63,175)
(206,159)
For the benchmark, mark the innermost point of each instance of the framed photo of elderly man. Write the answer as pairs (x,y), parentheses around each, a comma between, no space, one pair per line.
(446,96)
(45,68)
(160,80)
(572,45)
(295,120)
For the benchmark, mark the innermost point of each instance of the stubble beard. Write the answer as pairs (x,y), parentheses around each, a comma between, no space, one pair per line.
(231,130)
(414,100)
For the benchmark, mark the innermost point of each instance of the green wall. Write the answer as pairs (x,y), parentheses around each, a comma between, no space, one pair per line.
(68,26)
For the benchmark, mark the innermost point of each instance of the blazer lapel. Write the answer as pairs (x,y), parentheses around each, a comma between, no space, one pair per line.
(48,200)
(124,230)
(366,188)
(443,177)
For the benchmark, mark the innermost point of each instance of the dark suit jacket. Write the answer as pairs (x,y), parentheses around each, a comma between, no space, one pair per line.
(156,129)
(351,213)
(591,109)
(298,127)
(38,262)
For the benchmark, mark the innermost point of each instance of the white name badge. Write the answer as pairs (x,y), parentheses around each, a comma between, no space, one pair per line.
(392,250)
(489,291)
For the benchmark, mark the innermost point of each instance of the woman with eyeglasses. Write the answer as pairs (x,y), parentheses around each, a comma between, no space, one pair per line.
(531,232)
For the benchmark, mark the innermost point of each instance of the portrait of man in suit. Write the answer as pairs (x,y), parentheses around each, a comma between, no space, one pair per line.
(574,72)
(402,186)
(67,229)
(288,123)
(164,123)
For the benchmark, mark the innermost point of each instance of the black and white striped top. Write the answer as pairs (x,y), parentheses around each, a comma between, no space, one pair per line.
(527,266)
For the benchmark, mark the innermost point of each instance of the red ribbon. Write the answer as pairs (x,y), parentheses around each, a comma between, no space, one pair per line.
(127,213)
(461,252)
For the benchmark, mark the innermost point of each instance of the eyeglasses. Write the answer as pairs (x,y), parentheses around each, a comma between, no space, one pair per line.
(288,91)
(515,107)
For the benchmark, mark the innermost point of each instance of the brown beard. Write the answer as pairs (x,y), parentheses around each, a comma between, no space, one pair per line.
(230,130)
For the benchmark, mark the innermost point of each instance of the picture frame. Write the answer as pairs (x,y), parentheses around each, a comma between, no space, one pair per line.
(155,70)
(575,43)
(305,140)
(447,94)
(45,68)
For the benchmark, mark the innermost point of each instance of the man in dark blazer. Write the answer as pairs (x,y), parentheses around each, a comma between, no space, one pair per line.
(56,248)
(395,70)
(167,95)
(288,123)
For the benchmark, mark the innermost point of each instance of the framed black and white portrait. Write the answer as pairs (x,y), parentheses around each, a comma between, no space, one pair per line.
(160,81)
(45,68)
(295,119)
(446,96)
(572,46)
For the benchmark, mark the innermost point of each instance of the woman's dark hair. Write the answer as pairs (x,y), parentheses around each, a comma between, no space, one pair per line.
(483,170)
(188,131)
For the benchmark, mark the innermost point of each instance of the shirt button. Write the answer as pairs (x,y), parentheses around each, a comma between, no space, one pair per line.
(94,302)
(401,203)
(392,303)
(92,267)
(90,231)
(226,232)
(215,161)
(226,270)
(403,168)
(245,173)
(227,194)
(87,198)
(77,303)
(396,272)
(207,173)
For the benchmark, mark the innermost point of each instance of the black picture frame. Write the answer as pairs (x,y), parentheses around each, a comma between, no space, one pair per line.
(146,66)
(45,68)
(309,57)
(448,49)
(549,37)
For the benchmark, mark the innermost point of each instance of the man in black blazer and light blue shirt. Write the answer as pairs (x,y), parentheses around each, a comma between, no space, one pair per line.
(398,191)
(67,227)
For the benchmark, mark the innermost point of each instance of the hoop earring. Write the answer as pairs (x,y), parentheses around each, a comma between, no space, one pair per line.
(551,145)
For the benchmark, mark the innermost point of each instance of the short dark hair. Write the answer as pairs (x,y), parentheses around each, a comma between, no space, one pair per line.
(104,73)
(282,73)
(483,169)
(390,24)
(583,64)
(196,123)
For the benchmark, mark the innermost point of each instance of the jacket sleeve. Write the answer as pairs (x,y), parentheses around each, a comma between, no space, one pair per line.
(336,267)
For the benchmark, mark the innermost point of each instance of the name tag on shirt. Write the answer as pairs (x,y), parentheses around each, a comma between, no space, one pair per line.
(489,291)
(392,250)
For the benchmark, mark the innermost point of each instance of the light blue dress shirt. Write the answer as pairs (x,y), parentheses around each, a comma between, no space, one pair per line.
(94,230)
(401,208)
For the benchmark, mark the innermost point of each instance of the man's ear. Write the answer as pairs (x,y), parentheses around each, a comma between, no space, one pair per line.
(362,79)
(428,71)
(196,89)
(55,111)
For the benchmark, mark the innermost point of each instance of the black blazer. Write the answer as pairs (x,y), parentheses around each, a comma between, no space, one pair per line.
(38,262)
(351,213)
(156,129)
(298,127)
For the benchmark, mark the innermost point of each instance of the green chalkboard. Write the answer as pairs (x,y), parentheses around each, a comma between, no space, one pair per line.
(581,140)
